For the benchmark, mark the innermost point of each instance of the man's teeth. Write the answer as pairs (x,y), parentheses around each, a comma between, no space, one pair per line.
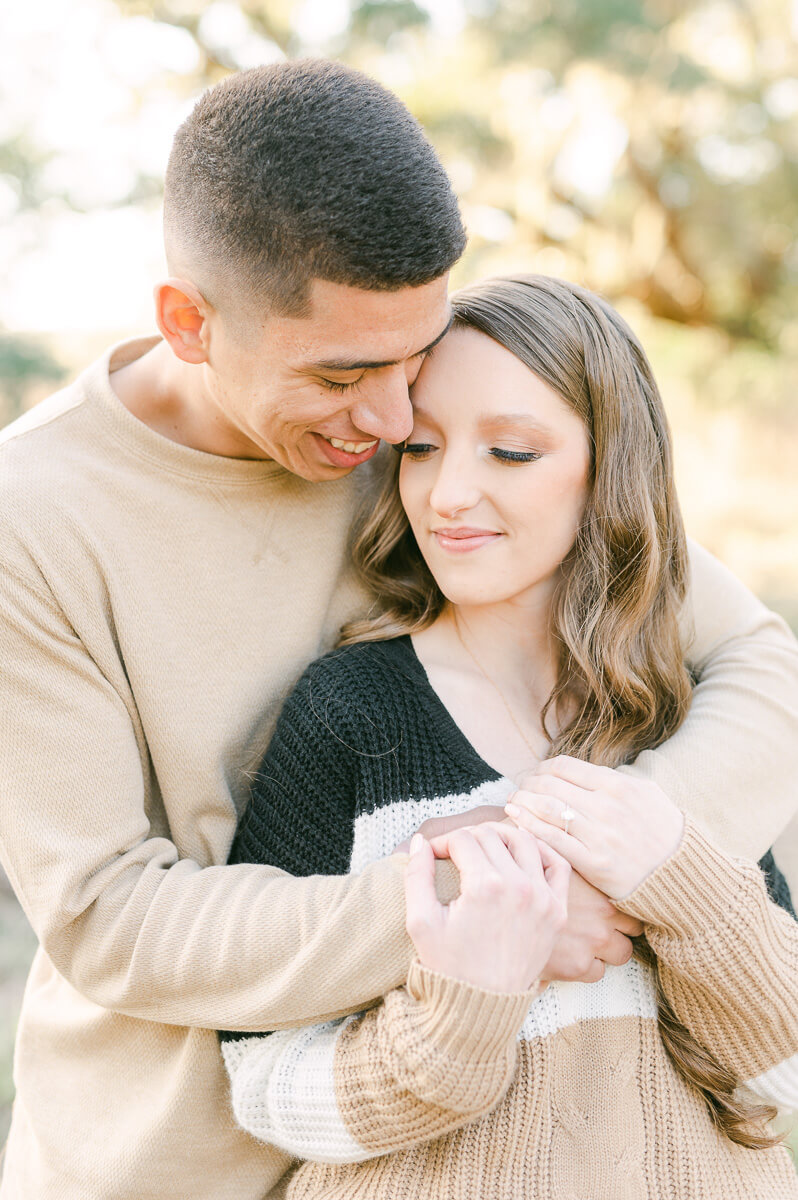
(351,447)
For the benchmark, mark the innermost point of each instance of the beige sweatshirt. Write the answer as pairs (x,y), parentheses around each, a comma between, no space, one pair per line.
(156,603)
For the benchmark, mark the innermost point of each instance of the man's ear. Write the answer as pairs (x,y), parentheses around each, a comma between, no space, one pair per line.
(181,312)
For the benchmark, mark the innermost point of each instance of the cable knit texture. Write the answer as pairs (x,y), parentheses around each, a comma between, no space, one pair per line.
(444,1090)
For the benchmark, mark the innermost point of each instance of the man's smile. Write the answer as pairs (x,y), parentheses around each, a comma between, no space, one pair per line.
(346,454)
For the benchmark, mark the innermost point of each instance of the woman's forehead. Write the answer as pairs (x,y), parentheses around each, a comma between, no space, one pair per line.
(471,374)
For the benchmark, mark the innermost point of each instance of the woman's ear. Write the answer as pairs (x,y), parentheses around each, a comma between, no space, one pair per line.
(182,315)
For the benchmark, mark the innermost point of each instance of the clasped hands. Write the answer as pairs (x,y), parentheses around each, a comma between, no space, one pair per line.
(575,837)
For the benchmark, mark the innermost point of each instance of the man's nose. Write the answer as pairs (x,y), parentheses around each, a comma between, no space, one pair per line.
(383,407)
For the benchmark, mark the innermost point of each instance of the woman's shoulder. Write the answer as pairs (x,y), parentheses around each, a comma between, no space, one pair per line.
(355,695)
(370,672)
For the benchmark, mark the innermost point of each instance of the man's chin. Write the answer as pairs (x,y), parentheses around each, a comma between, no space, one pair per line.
(315,470)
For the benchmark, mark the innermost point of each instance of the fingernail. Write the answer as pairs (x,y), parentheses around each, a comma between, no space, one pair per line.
(416,842)
(512,810)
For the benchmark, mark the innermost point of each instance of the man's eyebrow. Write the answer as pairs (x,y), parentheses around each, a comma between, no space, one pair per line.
(356,365)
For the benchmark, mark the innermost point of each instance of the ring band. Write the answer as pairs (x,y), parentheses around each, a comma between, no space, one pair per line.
(568,815)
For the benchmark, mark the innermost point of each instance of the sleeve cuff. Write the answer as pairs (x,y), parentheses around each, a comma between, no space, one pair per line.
(463,1020)
(698,887)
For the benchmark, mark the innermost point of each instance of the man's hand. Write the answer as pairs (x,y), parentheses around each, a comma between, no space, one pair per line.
(436,826)
(595,933)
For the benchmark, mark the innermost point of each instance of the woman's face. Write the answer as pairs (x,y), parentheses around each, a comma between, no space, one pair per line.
(495,474)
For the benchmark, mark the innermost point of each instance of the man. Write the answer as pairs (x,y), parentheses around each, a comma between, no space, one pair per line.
(173,545)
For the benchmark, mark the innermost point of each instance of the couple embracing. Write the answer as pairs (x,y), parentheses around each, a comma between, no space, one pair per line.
(481,932)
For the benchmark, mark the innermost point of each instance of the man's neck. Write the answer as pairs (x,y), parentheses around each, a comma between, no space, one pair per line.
(172,398)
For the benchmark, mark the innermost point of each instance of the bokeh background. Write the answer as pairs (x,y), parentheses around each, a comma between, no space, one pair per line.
(645,148)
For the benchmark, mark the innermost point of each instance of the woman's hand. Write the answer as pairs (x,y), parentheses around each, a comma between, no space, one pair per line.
(614,829)
(499,932)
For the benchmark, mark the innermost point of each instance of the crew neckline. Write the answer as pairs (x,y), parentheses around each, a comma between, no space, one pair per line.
(138,438)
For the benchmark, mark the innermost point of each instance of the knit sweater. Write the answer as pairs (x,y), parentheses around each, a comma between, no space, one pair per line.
(446,1090)
(156,605)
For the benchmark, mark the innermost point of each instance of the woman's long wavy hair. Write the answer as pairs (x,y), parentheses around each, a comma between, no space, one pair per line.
(621,684)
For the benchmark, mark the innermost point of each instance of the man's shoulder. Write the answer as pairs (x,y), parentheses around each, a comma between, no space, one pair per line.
(45,467)
(30,458)
(24,440)
(66,428)
(50,434)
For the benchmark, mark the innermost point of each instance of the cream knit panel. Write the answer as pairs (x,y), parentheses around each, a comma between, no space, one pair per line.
(779,1085)
(436,1053)
(282,1089)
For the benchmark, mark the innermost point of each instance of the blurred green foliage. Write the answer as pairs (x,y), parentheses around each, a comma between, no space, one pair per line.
(646,148)
(650,144)
(24,361)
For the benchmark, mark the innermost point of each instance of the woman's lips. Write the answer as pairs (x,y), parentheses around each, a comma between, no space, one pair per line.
(464,539)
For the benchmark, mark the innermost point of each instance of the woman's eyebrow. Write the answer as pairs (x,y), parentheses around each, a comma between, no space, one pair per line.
(523,422)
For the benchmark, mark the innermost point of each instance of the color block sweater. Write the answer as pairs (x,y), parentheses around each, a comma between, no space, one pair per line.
(156,605)
(445,1090)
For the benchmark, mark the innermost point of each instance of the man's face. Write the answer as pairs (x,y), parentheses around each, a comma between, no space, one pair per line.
(317,393)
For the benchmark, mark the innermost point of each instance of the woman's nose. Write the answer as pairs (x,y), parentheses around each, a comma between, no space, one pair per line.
(454,490)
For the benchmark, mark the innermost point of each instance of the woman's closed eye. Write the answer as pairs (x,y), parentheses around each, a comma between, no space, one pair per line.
(514,456)
(416,450)
(421,450)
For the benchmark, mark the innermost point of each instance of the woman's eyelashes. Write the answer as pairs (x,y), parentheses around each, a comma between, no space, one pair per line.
(515,456)
(421,450)
(415,450)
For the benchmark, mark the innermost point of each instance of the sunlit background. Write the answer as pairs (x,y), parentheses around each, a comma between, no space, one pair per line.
(646,148)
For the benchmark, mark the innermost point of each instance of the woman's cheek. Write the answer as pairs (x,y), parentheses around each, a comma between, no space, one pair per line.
(411,490)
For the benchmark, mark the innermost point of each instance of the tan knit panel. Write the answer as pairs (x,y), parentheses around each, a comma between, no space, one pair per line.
(739,1003)
(589,1063)
(594,1112)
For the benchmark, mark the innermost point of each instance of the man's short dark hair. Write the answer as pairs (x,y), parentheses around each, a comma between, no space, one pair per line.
(307,169)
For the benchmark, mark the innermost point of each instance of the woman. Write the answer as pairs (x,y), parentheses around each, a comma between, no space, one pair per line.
(527,572)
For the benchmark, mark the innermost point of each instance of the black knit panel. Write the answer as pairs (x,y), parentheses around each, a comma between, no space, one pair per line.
(778,888)
(404,742)
(362,729)
(302,803)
